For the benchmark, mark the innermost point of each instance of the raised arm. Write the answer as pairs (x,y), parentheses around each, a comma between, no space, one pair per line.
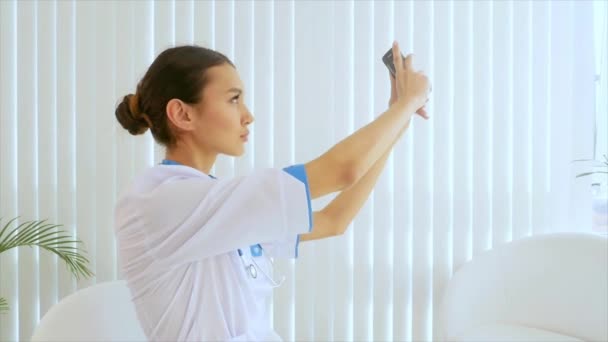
(346,162)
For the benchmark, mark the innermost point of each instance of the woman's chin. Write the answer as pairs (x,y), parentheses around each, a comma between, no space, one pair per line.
(237,151)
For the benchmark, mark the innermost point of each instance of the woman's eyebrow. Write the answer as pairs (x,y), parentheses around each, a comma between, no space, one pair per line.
(235,90)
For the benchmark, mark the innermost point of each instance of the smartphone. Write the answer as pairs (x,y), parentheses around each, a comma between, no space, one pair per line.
(388,61)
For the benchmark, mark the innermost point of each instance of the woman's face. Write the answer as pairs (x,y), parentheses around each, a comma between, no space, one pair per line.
(222,119)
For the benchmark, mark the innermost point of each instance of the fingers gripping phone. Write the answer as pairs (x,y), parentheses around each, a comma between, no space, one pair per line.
(388,61)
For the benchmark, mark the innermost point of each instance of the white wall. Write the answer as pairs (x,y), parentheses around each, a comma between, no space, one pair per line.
(512,106)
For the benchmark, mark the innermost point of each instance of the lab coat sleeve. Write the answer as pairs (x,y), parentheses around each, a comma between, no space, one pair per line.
(287,246)
(194,218)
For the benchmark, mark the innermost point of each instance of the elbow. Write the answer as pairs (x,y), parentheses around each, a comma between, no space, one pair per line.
(340,230)
(329,223)
(350,174)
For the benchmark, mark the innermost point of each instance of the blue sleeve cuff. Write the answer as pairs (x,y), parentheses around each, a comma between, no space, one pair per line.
(298,171)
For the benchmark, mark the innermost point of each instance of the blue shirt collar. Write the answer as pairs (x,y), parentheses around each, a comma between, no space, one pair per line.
(173,162)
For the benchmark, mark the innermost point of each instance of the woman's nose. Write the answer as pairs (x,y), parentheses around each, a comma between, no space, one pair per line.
(248,117)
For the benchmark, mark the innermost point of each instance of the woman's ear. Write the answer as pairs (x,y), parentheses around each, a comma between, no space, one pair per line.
(179,114)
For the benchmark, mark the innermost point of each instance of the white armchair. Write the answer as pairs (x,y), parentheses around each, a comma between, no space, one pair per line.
(102,312)
(550,287)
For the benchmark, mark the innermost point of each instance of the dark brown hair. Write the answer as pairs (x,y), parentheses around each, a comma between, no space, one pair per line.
(177,73)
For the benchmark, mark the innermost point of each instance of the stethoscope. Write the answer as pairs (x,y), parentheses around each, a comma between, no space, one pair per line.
(256,250)
(253,267)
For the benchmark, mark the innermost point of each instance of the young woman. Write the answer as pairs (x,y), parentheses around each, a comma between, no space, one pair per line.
(196,250)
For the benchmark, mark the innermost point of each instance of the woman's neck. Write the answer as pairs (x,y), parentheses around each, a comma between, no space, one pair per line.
(196,158)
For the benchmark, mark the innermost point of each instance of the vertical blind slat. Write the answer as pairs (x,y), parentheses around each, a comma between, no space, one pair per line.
(142,52)
(125,84)
(86,131)
(445,128)
(8,155)
(482,138)
(47,155)
(244,58)
(342,114)
(283,98)
(541,64)
(362,226)
(522,118)
(66,132)
(27,160)
(560,116)
(382,249)
(225,43)
(501,124)
(403,19)
(462,123)
(423,186)
(105,149)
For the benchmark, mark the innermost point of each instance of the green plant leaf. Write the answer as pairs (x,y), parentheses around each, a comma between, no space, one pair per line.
(589,173)
(3,305)
(48,237)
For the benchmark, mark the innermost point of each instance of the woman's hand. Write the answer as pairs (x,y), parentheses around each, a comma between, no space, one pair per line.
(409,85)
(421,111)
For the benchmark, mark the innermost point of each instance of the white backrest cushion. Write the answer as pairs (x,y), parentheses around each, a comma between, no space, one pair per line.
(102,312)
(557,282)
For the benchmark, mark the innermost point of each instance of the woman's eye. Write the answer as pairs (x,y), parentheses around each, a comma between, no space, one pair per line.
(235,99)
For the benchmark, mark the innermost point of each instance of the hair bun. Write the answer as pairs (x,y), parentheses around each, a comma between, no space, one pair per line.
(130,117)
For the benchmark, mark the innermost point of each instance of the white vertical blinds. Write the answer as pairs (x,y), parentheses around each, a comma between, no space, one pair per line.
(600,23)
(512,105)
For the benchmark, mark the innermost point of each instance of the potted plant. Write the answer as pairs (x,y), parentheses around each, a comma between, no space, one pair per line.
(45,236)
(600,194)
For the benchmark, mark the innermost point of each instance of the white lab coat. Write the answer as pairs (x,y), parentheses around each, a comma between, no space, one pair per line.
(178,231)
